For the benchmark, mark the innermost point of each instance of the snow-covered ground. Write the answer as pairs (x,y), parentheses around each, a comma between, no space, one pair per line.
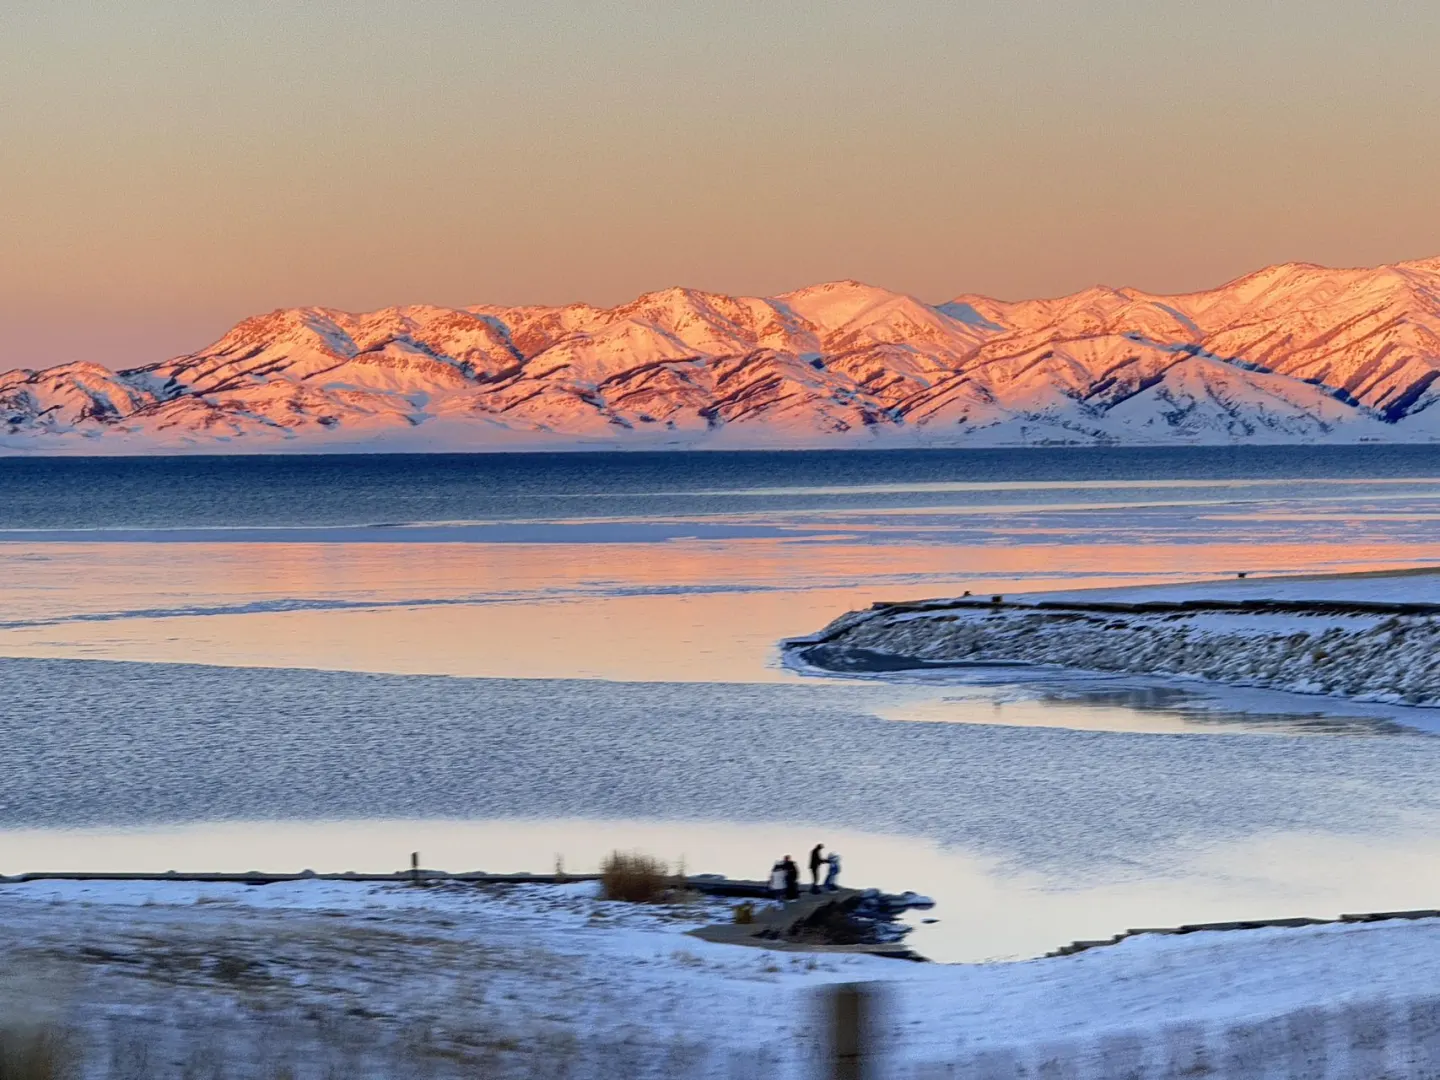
(386,980)
(1290,641)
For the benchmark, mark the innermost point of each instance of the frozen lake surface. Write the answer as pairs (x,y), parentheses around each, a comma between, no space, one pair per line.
(307,662)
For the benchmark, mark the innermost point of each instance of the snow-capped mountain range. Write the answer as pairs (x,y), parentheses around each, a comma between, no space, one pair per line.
(1293,353)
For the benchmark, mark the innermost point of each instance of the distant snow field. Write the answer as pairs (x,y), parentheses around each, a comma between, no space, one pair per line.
(360,980)
(1291,353)
(1363,637)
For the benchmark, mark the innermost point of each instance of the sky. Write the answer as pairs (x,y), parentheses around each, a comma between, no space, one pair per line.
(167,167)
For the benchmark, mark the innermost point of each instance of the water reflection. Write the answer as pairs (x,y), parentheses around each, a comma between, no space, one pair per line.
(1153,710)
(685,611)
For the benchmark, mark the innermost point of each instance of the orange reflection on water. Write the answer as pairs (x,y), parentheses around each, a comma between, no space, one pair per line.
(550,610)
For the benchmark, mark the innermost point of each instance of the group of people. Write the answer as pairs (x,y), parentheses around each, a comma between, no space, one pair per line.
(785,874)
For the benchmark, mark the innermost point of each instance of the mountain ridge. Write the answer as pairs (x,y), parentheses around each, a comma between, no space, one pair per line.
(1290,353)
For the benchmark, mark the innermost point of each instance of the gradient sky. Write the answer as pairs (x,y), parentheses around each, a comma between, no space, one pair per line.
(168,167)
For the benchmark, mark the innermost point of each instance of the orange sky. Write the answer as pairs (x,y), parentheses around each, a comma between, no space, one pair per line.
(167,168)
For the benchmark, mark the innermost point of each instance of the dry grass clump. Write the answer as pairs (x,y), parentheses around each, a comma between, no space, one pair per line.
(636,878)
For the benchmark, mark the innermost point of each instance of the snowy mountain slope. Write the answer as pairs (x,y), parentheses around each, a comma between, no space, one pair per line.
(1292,353)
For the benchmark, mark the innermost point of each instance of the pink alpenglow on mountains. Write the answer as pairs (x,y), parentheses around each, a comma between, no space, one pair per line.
(1293,353)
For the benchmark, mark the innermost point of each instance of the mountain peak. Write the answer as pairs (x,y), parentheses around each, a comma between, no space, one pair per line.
(834,304)
(1291,352)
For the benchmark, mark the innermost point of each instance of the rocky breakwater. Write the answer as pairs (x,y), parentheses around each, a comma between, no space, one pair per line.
(843,920)
(1383,652)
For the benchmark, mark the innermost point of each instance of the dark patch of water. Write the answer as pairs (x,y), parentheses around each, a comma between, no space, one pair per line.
(325,490)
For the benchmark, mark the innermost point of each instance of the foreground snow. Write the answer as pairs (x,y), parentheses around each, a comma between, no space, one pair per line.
(1292,353)
(543,980)
(1331,636)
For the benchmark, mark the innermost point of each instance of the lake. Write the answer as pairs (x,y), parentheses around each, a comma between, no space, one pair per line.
(501,660)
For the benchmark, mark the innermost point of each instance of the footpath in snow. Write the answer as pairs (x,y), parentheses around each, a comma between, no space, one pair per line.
(348,979)
(1363,637)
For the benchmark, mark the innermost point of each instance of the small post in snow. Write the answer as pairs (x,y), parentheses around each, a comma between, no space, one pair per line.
(415,867)
(849,1011)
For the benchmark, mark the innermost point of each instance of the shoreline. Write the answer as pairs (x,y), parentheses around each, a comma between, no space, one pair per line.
(1367,637)
(512,977)
(775,926)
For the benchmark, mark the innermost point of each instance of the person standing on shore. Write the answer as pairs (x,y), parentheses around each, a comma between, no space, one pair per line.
(816,861)
(792,879)
(833,874)
(777,881)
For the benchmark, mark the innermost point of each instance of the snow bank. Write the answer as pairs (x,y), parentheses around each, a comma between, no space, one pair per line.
(1308,637)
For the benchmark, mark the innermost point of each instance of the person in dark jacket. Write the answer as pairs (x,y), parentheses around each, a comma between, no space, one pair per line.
(816,861)
(792,879)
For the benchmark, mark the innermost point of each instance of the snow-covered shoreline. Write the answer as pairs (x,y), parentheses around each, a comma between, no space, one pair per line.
(1363,637)
(535,978)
